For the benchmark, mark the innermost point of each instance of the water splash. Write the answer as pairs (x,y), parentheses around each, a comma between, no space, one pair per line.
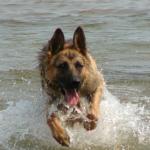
(24,123)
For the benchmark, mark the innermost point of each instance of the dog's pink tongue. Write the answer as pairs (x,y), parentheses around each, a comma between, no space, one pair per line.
(72,97)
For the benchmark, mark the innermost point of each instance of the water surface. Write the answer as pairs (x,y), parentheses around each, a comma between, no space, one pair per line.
(118,34)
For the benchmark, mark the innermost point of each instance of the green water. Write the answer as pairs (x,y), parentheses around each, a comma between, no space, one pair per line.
(118,34)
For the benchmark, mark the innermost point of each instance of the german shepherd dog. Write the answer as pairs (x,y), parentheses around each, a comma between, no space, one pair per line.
(69,73)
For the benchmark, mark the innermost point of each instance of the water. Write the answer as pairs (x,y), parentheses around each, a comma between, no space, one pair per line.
(118,34)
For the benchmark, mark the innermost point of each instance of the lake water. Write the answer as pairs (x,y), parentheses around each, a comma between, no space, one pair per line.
(118,34)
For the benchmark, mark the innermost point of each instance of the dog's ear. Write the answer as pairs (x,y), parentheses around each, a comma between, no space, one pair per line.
(57,41)
(79,40)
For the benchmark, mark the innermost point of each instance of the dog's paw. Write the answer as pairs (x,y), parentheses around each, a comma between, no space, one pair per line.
(92,116)
(62,138)
(89,125)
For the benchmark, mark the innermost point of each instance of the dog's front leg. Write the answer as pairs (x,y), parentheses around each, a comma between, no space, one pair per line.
(94,110)
(59,133)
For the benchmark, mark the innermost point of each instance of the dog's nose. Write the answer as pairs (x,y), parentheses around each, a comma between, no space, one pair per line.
(76,82)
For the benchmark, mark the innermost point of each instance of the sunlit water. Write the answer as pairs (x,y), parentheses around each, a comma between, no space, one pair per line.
(118,34)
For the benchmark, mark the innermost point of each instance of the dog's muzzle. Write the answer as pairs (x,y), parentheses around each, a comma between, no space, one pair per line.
(70,88)
(75,84)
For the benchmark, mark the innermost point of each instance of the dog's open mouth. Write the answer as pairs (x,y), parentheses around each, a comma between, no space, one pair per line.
(71,97)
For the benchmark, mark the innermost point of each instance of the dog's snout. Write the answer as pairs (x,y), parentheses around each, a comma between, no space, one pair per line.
(76,82)
(70,83)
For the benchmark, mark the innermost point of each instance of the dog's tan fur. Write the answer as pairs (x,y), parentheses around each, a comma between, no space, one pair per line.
(54,53)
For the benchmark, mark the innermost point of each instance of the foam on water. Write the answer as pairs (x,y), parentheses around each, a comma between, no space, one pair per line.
(118,123)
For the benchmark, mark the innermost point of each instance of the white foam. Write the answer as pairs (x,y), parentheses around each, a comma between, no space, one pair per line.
(117,122)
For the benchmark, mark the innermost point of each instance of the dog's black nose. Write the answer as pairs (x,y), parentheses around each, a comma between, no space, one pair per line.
(76,82)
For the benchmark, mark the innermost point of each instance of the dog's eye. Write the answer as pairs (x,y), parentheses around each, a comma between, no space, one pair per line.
(78,65)
(62,65)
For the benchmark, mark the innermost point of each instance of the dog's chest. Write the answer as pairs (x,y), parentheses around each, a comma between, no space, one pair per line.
(69,114)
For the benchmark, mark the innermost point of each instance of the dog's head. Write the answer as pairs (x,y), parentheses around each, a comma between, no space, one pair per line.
(67,64)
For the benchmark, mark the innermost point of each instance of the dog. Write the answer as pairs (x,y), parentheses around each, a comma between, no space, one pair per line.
(69,73)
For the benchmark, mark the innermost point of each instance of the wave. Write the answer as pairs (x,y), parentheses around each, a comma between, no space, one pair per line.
(23,124)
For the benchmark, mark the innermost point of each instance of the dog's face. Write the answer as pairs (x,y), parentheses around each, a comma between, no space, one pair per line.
(67,65)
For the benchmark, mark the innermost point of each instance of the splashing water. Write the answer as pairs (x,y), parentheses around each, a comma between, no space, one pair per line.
(24,125)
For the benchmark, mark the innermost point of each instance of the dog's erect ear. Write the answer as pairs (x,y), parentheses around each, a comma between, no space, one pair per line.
(56,43)
(79,41)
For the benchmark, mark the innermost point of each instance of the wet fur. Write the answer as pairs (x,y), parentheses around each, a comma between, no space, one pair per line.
(92,85)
